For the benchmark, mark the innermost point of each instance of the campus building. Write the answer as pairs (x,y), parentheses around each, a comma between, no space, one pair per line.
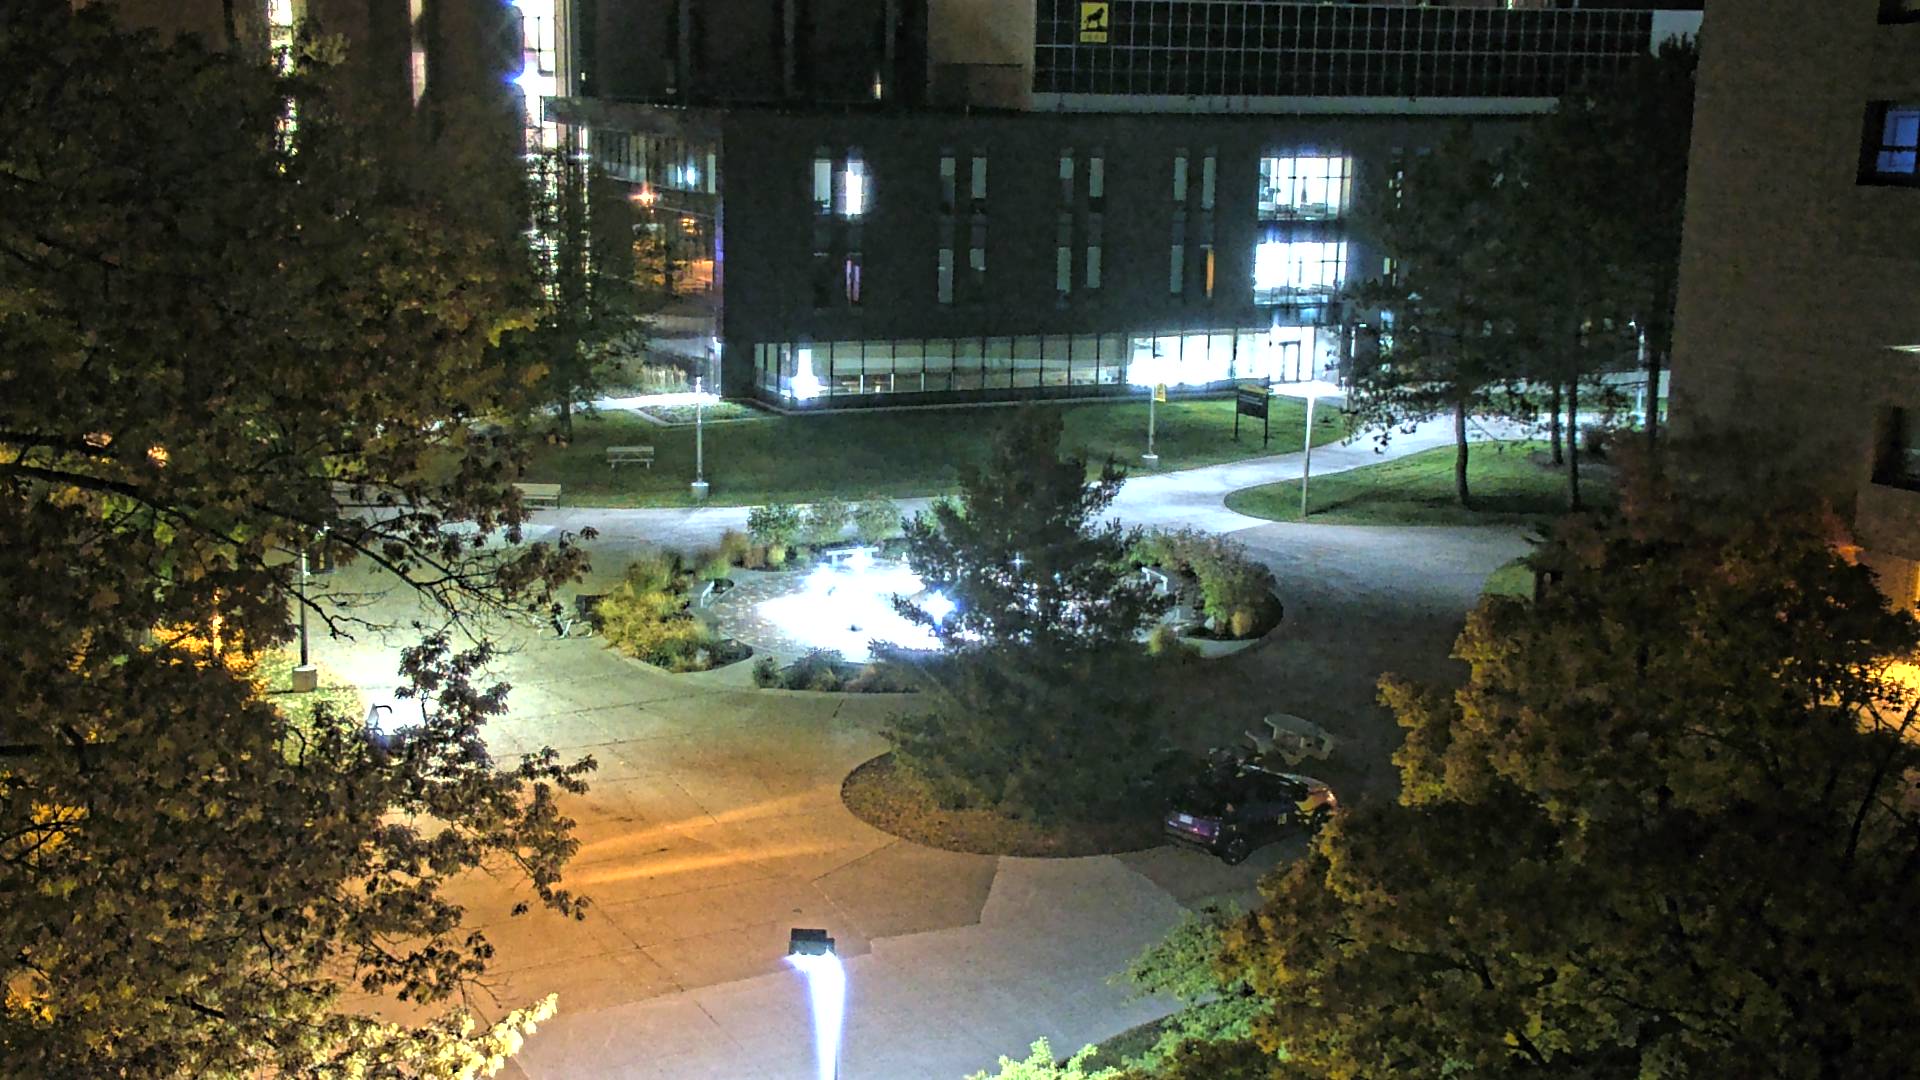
(1800,279)
(912,201)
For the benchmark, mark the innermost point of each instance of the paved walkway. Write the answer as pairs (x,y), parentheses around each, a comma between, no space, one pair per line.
(714,822)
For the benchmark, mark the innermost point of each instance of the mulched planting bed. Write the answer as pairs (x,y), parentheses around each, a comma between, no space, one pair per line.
(888,799)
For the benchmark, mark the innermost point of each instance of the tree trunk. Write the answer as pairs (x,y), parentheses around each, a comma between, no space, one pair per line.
(1460,454)
(1553,423)
(1573,445)
(566,421)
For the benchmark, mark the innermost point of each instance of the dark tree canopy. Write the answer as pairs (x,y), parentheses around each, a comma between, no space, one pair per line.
(217,345)
(1041,710)
(1668,827)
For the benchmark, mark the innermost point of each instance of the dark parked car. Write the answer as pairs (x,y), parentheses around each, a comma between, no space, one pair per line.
(1238,805)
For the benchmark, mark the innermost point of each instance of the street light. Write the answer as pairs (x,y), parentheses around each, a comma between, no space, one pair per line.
(1312,390)
(811,953)
(699,440)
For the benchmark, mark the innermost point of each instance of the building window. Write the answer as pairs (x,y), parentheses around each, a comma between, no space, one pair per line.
(822,279)
(822,182)
(945,281)
(1898,461)
(1093,250)
(1305,187)
(977,186)
(1063,270)
(1899,11)
(1287,268)
(1892,151)
(1180,176)
(977,256)
(1176,269)
(853,188)
(852,273)
(1096,179)
(947,176)
(1066,178)
(1206,269)
(1208,167)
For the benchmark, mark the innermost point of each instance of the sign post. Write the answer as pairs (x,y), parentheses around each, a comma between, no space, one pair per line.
(1250,399)
(1159,394)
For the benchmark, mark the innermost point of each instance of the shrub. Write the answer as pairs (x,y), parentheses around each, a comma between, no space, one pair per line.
(766,672)
(1232,589)
(775,525)
(817,670)
(776,556)
(714,566)
(876,520)
(1596,439)
(1165,643)
(735,547)
(825,522)
(646,616)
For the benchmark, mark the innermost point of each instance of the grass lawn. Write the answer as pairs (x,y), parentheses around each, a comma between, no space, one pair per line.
(274,676)
(1508,488)
(894,802)
(1515,579)
(901,453)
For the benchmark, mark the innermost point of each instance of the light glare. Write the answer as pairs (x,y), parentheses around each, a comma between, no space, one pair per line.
(827,991)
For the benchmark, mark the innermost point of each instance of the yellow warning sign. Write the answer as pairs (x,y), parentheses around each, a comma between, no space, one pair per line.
(1094,23)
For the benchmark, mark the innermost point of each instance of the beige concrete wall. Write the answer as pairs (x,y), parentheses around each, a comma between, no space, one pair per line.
(981,31)
(1794,277)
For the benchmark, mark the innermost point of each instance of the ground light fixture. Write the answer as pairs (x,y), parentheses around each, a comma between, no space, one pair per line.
(811,954)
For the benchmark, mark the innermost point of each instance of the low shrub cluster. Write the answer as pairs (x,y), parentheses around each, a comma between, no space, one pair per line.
(783,533)
(648,616)
(1216,577)
(827,670)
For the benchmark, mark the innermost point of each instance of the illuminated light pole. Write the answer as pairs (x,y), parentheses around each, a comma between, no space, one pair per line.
(1159,394)
(306,677)
(811,954)
(1312,391)
(699,441)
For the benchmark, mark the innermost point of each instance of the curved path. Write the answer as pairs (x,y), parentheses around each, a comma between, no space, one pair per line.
(714,822)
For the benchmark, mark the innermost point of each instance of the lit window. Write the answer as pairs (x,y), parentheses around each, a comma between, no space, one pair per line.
(1206,260)
(1207,170)
(1305,186)
(1066,176)
(1180,177)
(1893,145)
(1291,267)
(978,187)
(1177,269)
(1063,270)
(822,183)
(853,189)
(1096,178)
(1093,266)
(853,278)
(947,174)
(945,285)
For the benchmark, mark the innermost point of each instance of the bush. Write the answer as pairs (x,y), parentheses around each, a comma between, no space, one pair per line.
(776,556)
(775,525)
(817,670)
(1596,440)
(1165,644)
(1233,590)
(766,672)
(876,520)
(826,522)
(734,547)
(646,616)
(714,566)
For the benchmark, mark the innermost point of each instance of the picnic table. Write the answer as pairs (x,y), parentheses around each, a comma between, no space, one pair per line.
(539,494)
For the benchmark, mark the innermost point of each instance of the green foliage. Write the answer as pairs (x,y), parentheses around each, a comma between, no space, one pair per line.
(825,522)
(1234,590)
(1039,1064)
(734,547)
(1041,713)
(277,343)
(766,672)
(1665,829)
(876,519)
(1164,643)
(1216,1003)
(775,525)
(647,616)
(817,670)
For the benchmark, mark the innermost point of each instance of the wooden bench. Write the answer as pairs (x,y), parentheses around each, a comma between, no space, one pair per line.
(539,494)
(629,455)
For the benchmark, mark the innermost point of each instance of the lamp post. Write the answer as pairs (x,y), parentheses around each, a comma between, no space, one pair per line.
(1312,390)
(699,440)
(811,953)
(1159,394)
(306,677)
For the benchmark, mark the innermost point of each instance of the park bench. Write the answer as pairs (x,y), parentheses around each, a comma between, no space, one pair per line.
(539,494)
(629,455)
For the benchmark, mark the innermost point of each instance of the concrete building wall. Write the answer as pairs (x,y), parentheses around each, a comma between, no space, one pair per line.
(1796,277)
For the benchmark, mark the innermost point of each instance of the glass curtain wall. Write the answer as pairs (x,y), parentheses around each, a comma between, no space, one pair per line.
(1004,367)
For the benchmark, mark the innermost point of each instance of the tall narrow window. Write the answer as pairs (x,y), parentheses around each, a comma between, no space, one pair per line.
(1066,177)
(977,184)
(852,270)
(1176,269)
(1207,170)
(1093,251)
(977,253)
(1096,179)
(853,188)
(1180,176)
(418,41)
(947,176)
(822,182)
(822,279)
(1206,269)
(1063,255)
(944,286)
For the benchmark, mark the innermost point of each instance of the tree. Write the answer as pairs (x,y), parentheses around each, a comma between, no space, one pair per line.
(1038,677)
(1666,829)
(221,346)
(588,303)
(1445,343)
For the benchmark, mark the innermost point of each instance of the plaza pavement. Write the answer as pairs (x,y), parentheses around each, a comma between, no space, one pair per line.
(714,822)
